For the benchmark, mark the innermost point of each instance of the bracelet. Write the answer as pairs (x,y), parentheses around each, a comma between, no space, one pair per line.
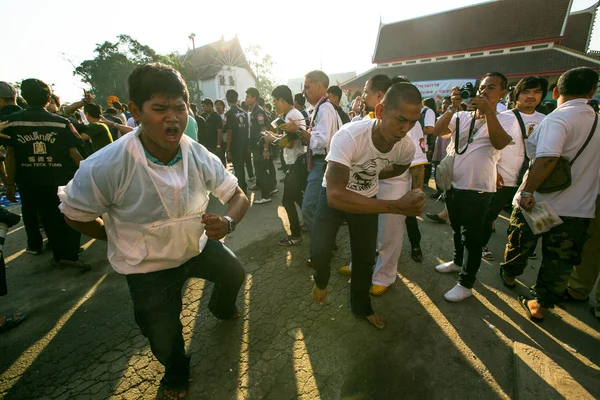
(525,194)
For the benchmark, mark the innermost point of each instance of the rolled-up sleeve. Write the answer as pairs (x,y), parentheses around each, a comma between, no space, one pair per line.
(326,125)
(86,196)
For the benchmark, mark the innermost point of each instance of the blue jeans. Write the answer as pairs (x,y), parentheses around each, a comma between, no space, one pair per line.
(363,242)
(157,304)
(312,192)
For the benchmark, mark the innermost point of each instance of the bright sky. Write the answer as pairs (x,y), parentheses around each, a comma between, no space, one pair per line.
(42,36)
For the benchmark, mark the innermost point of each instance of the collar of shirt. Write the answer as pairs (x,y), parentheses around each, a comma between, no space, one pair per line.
(573,103)
(169,164)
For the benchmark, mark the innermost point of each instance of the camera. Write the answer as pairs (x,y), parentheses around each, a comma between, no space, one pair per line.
(468,91)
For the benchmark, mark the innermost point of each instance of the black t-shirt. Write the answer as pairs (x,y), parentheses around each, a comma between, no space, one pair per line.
(42,141)
(258,120)
(201,127)
(237,123)
(214,122)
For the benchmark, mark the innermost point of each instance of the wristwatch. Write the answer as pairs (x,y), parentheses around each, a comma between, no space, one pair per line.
(525,194)
(231,222)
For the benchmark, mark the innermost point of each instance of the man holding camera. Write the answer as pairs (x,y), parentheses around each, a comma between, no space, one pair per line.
(477,137)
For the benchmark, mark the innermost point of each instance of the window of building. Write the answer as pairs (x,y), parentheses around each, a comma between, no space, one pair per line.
(231,80)
(222,80)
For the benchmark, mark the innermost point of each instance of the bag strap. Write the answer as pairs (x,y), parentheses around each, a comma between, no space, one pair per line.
(521,123)
(587,140)
(457,138)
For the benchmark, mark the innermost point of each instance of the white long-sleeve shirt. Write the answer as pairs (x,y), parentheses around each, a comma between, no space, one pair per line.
(326,125)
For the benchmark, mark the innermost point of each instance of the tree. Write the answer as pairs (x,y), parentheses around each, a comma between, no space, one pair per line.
(262,65)
(107,73)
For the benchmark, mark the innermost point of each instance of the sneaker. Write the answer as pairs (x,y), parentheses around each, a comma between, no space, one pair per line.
(378,290)
(458,293)
(10,219)
(533,256)
(33,251)
(262,201)
(290,241)
(80,265)
(274,191)
(345,270)
(436,218)
(486,254)
(448,267)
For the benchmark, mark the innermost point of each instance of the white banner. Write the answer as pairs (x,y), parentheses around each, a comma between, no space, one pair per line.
(440,89)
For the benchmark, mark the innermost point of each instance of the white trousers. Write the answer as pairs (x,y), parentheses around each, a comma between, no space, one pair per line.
(390,232)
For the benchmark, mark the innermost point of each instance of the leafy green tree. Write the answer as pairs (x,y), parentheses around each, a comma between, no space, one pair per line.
(262,64)
(107,72)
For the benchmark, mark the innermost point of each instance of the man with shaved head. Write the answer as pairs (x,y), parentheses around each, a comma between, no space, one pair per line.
(360,154)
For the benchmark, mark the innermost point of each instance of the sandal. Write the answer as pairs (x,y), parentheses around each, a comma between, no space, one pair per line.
(12,320)
(524,301)
(514,285)
(290,241)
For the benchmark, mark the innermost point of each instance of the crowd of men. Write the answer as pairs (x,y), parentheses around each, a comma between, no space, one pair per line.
(138,177)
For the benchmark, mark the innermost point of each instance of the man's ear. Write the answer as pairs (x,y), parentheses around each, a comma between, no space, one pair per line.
(593,92)
(378,110)
(134,110)
(555,94)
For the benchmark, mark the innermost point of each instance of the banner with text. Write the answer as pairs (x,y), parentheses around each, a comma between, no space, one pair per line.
(440,89)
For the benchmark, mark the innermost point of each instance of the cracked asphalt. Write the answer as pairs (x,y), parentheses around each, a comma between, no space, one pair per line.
(81,342)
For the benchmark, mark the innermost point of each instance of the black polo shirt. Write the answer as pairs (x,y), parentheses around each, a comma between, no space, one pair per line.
(258,121)
(214,122)
(237,122)
(42,141)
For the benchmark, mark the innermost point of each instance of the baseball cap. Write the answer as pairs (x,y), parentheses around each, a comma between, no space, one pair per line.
(7,90)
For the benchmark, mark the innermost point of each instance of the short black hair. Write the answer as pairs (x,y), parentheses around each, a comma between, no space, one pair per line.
(269,107)
(154,79)
(448,98)
(110,111)
(400,79)
(261,102)
(35,92)
(503,80)
(300,99)
(117,106)
(231,96)
(335,90)
(94,110)
(577,82)
(244,106)
(380,83)
(283,92)
(429,102)
(531,82)
(219,101)
(207,102)
(402,92)
(253,92)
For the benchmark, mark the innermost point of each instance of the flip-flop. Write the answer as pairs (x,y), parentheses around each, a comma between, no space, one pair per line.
(12,320)
(514,285)
(523,301)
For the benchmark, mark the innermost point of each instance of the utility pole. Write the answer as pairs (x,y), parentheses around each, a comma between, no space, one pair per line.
(192,37)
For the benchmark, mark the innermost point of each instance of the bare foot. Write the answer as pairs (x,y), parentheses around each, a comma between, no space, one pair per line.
(319,295)
(535,308)
(377,321)
(169,394)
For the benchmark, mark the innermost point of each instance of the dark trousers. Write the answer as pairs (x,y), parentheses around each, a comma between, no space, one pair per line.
(263,172)
(499,200)
(3,285)
(284,166)
(412,229)
(292,195)
(562,247)
(248,162)
(272,172)
(35,241)
(363,242)
(44,200)
(466,210)
(157,304)
(237,159)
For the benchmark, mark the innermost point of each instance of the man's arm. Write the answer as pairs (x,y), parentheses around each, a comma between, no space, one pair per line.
(538,173)
(94,229)
(123,129)
(216,227)
(418,174)
(498,136)
(441,126)
(392,171)
(340,198)
(75,156)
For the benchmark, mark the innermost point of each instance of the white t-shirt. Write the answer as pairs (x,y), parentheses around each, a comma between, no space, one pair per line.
(429,119)
(513,155)
(353,147)
(476,168)
(562,133)
(291,154)
(500,107)
(420,158)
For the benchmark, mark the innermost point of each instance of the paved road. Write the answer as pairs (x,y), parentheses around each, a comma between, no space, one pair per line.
(81,342)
